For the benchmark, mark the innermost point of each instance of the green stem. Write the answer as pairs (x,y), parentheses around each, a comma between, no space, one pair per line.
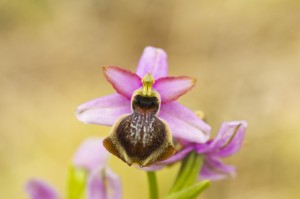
(185,169)
(153,188)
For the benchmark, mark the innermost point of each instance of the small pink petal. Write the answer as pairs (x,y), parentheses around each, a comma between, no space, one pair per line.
(214,169)
(123,81)
(91,154)
(175,158)
(38,189)
(104,184)
(171,88)
(229,139)
(103,111)
(154,61)
(184,123)
(203,148)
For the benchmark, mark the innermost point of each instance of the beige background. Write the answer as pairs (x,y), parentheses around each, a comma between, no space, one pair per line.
(245,55)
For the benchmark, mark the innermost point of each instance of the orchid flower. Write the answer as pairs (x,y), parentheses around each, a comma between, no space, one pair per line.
(90,159)
(106,110)
(227,142)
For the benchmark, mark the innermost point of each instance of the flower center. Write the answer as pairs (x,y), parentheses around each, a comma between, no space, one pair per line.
(148,81)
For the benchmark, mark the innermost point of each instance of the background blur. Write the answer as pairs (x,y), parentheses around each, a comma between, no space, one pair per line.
(245,55)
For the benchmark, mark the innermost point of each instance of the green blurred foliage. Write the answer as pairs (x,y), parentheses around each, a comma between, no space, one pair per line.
(245,55)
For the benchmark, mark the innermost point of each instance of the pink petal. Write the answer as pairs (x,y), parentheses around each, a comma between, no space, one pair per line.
(229,139)
(91,154)
(154,61)
(104,184)
(214,169)
(184,123)
(38,189)
(171,88)
(203,148)
(178,156)
(123,81)
(175,158)
(103,111)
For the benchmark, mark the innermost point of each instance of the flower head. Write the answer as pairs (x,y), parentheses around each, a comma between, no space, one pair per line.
(183,123)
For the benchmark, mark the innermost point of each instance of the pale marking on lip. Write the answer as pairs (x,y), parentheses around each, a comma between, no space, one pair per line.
(141,123)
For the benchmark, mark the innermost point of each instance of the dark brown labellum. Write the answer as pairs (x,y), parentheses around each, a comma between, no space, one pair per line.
(141,137)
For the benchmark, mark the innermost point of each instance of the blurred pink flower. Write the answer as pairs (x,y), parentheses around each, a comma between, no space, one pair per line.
(38,189)
(91,154)
(106,110)
(102,183)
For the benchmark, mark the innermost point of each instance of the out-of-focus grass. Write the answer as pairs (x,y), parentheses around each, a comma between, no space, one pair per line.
(245,55)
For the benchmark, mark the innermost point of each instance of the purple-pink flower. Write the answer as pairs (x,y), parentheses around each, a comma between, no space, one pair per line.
(102,182)
(91,154)
(227,142)
(106,110)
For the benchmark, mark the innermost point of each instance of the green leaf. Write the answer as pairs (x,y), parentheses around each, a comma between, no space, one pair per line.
(184,171)
(190,192)
(76,182)
(194,172)
(188,172)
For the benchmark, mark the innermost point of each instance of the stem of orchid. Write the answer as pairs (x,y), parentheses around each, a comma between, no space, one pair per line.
(153,188)
(194,172)
(188,172)
(186,166)
(148,81)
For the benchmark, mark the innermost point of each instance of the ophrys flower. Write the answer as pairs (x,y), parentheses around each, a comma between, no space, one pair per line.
(184,124)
